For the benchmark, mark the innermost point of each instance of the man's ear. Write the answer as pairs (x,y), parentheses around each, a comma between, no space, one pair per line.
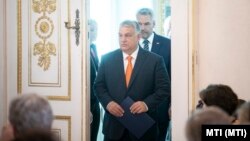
(8,133)
(153,23)
(139,36)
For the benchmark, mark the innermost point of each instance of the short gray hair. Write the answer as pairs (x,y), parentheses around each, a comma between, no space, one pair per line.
(244,113)
(30,111)
(92,22)
(145,12)
(210,115)
(133,24)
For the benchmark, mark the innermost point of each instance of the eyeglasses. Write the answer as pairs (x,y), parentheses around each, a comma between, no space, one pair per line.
(200,104)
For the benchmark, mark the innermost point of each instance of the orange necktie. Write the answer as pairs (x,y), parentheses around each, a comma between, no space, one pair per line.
(129,69)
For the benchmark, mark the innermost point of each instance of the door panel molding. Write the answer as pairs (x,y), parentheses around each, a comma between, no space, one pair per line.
(21,82)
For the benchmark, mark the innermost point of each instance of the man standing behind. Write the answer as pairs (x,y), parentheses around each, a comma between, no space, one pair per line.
(94,61)
(130,71)
(160,45)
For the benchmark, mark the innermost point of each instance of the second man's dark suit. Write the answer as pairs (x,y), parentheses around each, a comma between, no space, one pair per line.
(162,46)
(94,104)
(149,83)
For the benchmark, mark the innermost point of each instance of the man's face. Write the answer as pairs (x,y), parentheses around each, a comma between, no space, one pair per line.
(146,24)
(128,39)
(92,32)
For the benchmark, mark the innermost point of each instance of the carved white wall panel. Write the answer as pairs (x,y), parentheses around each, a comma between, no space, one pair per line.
(46,53)
(45,43)
(42,57)
(62,127)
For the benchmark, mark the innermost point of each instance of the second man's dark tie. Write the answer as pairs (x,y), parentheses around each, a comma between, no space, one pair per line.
(145,42)
(93,53)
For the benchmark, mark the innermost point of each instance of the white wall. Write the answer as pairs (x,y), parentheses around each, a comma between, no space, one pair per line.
(180,68)
(222,32)
(1,62)
(224,44)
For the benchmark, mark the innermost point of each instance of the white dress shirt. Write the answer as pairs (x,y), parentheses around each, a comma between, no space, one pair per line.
(150,44)
(125,60)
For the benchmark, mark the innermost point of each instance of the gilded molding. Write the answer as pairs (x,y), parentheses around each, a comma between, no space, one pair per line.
(69,54)
(44,50)
(19,53)
(19,46)
(85,92)
(60,98)
(42,6)
(68,97)
(44,28)
(57,133)
(68,119)
(192,54)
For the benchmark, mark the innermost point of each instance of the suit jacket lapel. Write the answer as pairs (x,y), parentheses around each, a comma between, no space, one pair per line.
(156,44)
(92,62)
(138,64)
(120,68)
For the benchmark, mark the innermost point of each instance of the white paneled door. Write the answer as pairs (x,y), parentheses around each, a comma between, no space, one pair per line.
(43,57)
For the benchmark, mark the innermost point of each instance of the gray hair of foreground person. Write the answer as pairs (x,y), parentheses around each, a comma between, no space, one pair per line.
(209,116)
(244,113)
(30,111)
(37,135)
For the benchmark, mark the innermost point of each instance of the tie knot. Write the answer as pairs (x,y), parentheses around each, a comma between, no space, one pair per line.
(129,58)
(92,46)
(145,42)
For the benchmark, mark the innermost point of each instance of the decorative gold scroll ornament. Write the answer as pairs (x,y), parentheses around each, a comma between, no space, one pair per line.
(43,6)
(44,29)
(44,50)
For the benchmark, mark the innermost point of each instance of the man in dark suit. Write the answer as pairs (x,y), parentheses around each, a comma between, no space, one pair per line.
(148,84)
(94,61)
(160,45)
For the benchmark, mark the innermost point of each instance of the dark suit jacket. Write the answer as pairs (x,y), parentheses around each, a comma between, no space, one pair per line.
(93,70)
(149,83)
(162,46)
(94,104)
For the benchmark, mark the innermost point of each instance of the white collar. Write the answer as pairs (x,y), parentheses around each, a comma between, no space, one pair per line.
(134,54)
(150,39)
